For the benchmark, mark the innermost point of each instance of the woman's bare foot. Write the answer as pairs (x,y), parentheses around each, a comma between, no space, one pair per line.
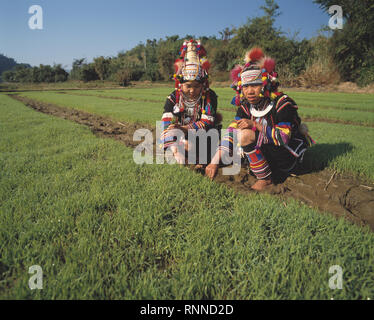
(260,185)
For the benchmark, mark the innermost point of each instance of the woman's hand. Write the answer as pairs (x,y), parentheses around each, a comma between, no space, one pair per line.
(211,170)
(245,124)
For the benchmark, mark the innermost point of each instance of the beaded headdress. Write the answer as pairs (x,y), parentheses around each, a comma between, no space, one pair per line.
(258,70)
(192,65)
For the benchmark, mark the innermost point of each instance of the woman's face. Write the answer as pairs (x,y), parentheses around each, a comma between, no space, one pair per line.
(192,89)
(252,93)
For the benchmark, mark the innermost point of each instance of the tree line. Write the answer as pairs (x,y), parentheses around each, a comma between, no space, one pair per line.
(346,55)
(44,73)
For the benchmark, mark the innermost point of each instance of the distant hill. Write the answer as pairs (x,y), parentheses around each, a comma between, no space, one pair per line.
(6,64)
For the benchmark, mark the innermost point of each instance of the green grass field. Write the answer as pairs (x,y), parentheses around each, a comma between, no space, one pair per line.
(337,107)
(102,227)
(345,148)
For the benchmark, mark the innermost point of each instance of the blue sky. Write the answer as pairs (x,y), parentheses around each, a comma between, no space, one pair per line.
(91,28)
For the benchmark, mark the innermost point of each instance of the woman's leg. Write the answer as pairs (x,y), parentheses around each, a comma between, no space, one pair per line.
(281,161)
(258,163)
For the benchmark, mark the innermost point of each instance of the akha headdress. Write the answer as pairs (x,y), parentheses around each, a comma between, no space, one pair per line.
(258,70)
(192,65)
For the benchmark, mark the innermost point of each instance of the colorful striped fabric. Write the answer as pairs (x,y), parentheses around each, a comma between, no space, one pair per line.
(204,119)
(168,138)
(280,135)
(167,118)
(207,120)
(258,164)
(277,125)
(227,141)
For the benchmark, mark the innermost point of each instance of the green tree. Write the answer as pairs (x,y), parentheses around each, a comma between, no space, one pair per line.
(89,73)
(227,33)
(167,52)
(23,73)
(166,60)
(46,74)
(8,76)
(123,76)
(101,66)
(60,74)
(76,71)
(271,10)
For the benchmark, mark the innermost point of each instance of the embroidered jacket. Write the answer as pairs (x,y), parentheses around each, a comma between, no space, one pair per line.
(200,116)
(280,126)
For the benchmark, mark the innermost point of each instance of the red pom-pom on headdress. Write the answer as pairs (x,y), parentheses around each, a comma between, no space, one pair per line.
(254,55)
(256,60)
(206,65)
(235,73)
(269,65)
(202,51)
(178,65)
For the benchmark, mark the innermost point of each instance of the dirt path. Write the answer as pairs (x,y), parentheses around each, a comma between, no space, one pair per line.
(341,196)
